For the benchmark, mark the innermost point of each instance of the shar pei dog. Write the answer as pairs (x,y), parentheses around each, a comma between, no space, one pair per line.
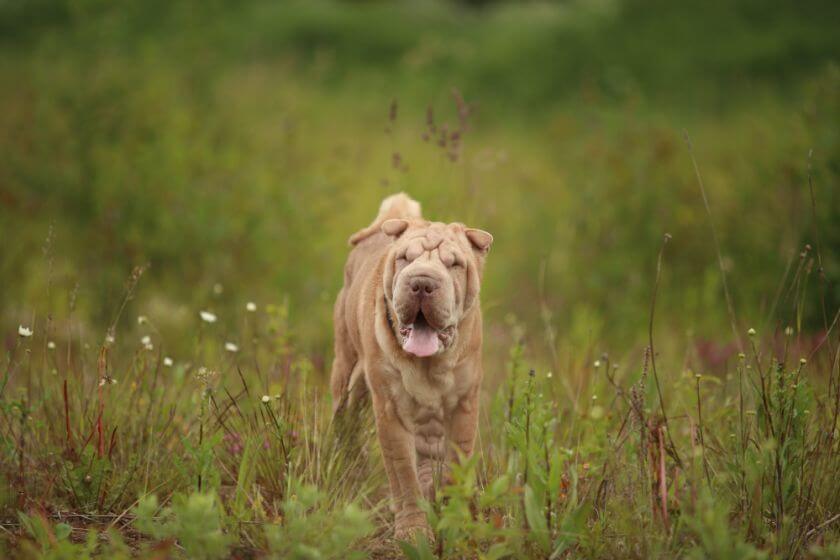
(408,332)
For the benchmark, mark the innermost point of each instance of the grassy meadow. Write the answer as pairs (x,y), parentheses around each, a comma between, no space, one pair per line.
(662,361)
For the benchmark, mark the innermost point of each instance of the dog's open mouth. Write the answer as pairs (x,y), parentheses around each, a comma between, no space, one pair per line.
(420,338)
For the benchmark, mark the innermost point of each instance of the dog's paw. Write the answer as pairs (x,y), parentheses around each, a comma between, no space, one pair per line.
(411,527)
(412,534)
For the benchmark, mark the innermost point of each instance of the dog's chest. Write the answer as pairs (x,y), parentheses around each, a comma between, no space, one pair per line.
(430,389)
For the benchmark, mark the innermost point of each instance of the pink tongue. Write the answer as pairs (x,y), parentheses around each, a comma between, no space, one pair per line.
(422,342)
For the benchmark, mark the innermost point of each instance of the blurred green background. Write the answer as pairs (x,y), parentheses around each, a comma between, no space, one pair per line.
(234,146)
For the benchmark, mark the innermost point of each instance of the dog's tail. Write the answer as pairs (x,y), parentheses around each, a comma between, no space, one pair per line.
(398,205)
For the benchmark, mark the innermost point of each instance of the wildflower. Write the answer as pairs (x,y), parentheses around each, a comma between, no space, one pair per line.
(597,364)
(109,339)
(147,342)
(231,347)
(51,345)
(142,320)
(698,376)
(266,399)
(741,356)
(207,316)
(549,375)
(204,375)
(803,361)
(25,332)
(751,332)
(789,331)
(167,361)
(251,306)
(106,380)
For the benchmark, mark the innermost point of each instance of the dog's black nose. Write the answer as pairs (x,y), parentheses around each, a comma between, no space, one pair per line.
(423,285)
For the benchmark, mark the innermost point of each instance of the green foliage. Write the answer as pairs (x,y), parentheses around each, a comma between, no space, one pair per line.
(715,535)
(274,134)
(465,530)
(310,530)
(195,521)
(52,542)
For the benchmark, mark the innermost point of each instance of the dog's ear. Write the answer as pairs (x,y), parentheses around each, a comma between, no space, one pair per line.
(361,235)
(394,227)
(479,239)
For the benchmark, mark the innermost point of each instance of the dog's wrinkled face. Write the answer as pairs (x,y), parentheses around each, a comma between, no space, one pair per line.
(432,279)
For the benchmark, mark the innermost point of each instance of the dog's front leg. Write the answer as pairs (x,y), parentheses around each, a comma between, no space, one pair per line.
(398,454)
(463,425)
(430,445)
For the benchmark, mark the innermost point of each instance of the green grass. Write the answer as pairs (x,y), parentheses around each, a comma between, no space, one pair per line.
(225,154)
(220,452)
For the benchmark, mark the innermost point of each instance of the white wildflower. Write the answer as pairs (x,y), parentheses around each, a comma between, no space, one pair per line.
(549,375)
(205,375)
(167,361)
(142,320)
(24,331)
(251,306)
(751,332)
(207,316)
(51,345)
(231,347)
(266,399)
(597,363)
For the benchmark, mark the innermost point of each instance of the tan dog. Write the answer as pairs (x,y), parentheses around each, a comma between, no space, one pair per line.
(408,330)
